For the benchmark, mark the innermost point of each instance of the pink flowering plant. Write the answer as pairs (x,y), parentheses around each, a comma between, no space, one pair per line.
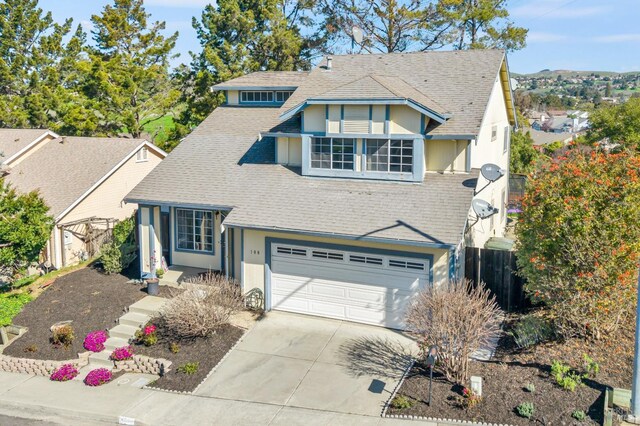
(98,377)
(63,373)
(94,341)
(147,336)
(122,354)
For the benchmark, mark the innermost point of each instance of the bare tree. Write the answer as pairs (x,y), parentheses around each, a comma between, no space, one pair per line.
(205,305)
(460,319)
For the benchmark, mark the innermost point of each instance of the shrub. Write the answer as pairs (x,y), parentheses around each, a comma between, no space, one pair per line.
(118,254)
(469,398)
(31,349)
(174,348)
(63,335)
(401,402)
(94,341)
(206,304)
(148,336)
(11,305)
(98,377)
(63,373)
(565,377)
(122,354)
(531,388)
(457,317)
(579,415)
(579,240)
(531,330)
(189,368)
(525,410)
(591,367)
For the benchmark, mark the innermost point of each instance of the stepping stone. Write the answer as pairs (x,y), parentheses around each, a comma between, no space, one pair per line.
(101,359)
(149,305)
(123,331)
(115,342)
(134,319)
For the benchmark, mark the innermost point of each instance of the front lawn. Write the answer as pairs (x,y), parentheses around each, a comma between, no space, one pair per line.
(88,298)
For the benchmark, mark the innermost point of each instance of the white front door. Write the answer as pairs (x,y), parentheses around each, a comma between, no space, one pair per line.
(372,288)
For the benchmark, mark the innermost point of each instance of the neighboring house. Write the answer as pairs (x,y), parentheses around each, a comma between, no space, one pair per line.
(342,191)
(545,138)
(82,180)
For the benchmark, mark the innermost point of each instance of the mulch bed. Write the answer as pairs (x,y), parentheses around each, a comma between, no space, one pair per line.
(92,300)
(506,377)
(207,352)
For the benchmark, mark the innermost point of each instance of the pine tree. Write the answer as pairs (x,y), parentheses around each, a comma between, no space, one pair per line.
(129,80)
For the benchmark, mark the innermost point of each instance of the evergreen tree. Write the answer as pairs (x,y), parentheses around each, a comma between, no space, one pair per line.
(238,37)
(128,75)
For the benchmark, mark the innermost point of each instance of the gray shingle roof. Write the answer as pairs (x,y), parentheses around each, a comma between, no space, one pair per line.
(62,172)
(459,81)
(265,79)
(223,164)
(13,140)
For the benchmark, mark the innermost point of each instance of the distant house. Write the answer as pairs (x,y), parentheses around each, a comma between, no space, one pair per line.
(541,138)
(567,122)
(343,191)
(82,180)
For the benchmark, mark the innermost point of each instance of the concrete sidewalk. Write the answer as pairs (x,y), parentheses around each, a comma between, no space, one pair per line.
(73,403)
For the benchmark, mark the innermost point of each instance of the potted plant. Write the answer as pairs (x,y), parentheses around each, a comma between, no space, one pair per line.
(160,273)
(153,283)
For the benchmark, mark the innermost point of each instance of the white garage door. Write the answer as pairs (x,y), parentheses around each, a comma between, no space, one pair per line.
(350,285)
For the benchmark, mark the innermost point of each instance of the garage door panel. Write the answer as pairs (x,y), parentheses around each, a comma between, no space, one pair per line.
(372,289)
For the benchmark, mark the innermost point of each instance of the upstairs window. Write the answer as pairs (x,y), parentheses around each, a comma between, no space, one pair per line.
(264,96)
(142,155)
(384,155)
(332,153)
(494,133)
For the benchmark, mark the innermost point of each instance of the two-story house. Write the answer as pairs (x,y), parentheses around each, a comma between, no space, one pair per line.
(342,191)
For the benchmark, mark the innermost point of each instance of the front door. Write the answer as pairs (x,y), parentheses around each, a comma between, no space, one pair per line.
(165,234)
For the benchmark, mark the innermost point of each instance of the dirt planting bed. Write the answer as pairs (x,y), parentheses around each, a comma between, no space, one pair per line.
(90,299)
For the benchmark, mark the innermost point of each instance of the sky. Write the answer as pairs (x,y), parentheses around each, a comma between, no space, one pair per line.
(588,35)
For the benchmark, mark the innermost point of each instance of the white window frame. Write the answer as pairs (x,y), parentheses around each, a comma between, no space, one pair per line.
(494,132)
(507,136)
(281,96)
(332,154)
(244,96)
(142,155)
(203,232)
(389,163)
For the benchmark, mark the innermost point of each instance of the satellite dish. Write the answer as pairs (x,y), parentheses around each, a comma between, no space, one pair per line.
(482,208)
(357,34)
(491,172)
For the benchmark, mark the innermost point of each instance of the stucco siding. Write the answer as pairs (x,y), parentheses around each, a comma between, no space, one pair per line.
(106,200)
(233,97)
(378,116)
(404,120)
(314,118)
(254,255)
(446,155)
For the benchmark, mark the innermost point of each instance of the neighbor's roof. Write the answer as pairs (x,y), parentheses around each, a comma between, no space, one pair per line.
(458,82)
(543,138)
(270,79)
(223,164)
(13,141)
(63,172)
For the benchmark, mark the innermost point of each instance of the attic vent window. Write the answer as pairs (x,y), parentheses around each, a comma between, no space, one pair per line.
(264,96)
(142,155)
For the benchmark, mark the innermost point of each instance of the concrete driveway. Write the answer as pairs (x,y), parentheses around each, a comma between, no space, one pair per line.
(309,362)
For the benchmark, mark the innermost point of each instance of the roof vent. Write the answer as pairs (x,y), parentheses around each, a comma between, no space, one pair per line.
(63,139)
(329,63)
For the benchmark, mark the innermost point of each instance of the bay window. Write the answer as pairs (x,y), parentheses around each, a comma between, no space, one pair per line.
(194,230)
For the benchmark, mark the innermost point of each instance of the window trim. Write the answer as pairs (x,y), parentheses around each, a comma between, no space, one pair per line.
(365,154)
(273,94)
(213,231)
(494,132)
(507,137)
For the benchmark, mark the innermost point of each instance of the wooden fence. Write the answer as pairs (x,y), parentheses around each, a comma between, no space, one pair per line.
(497,269)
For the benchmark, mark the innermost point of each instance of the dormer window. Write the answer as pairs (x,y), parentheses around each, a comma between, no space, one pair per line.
(394,156)
(333,153)
(264,96)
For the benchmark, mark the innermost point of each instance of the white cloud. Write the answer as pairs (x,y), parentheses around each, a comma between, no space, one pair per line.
(618,38)
(542,37)
(179,3)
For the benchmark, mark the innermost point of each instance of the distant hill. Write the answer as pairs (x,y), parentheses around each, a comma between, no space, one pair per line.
(566,73)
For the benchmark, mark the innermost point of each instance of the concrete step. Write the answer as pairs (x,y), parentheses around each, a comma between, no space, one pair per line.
(149,305)
(134,319)
(115,342)
(101,359)
(123,331)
